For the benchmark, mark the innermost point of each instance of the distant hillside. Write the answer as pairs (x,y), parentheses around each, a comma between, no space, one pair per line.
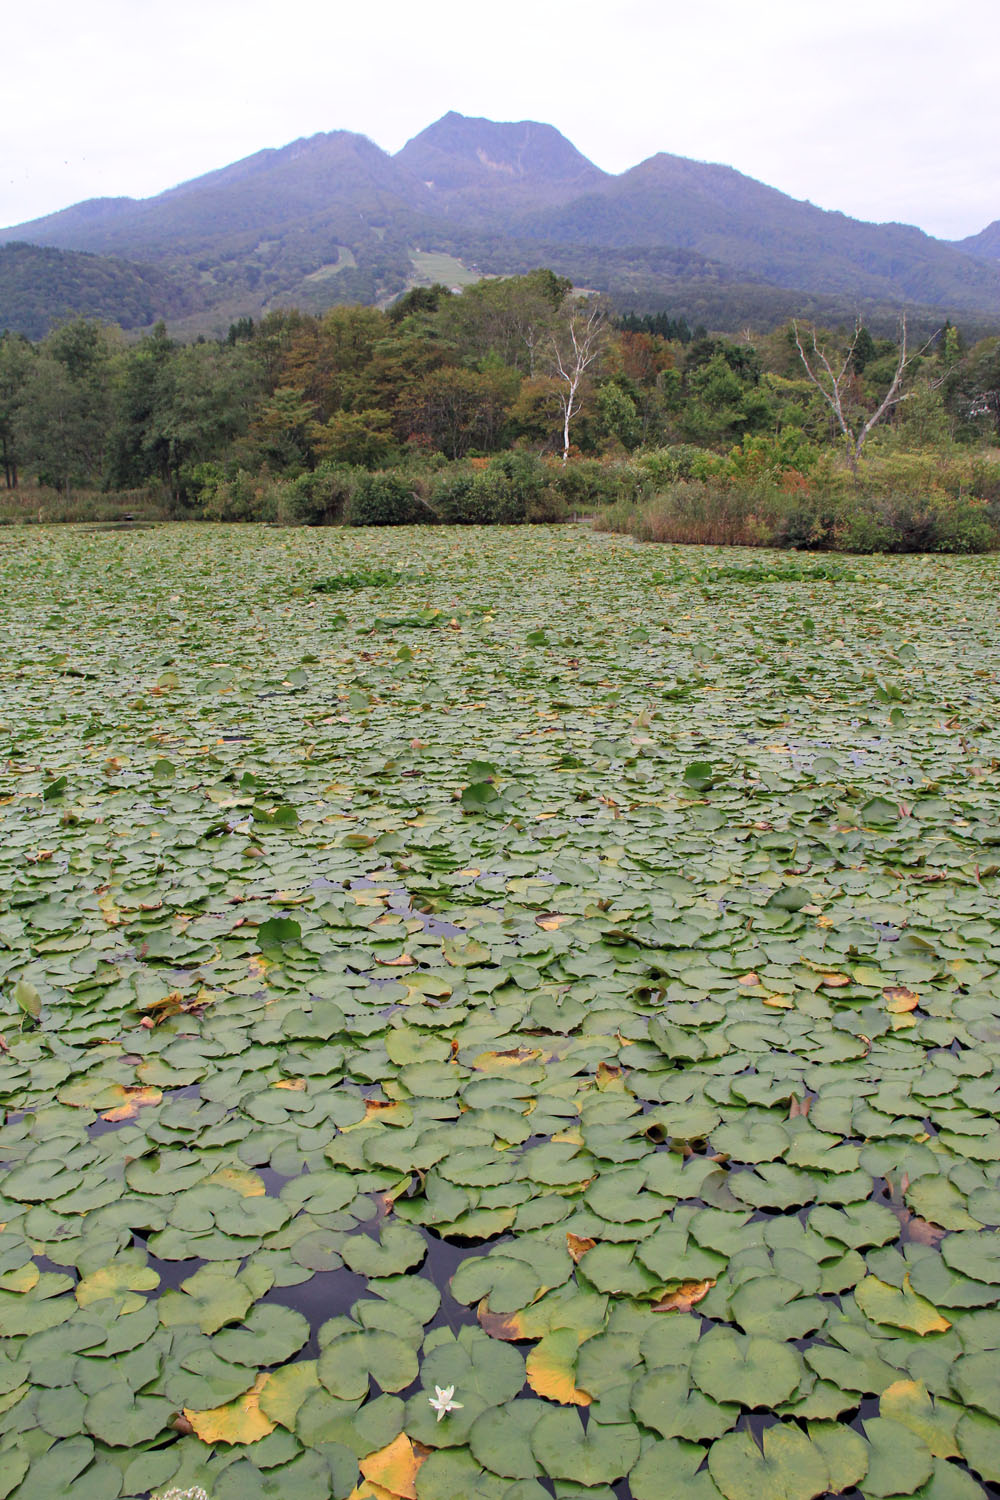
(985,245)
(40,287)
(756,231)
(333,218)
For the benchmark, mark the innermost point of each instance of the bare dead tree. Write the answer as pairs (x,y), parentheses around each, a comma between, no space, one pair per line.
(574,348)
(833,385)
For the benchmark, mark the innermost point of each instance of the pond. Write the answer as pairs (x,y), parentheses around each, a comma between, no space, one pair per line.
(544,970)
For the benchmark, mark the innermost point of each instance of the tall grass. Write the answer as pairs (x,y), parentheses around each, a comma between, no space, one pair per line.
(834,518)
(32,504)
(697,512)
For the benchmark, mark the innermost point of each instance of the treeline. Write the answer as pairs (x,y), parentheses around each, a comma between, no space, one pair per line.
(520,366)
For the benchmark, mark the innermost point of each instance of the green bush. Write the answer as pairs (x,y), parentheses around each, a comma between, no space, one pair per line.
(585,483)
(383,500)
(546,507)
(984,484)
(861,530)
(809,524)
(512,489)
(320,498)
(487,498)
(241,497)
(679,461)
(937,523)
(524,472)
(454,500)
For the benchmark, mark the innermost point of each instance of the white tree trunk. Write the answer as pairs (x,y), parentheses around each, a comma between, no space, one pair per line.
(832,386)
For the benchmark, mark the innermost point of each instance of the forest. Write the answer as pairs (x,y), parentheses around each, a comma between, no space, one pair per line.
(514,399)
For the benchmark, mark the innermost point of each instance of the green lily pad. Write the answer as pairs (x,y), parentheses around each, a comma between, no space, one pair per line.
(123,1420)
(598,1455)
(500,1439)
(670,1471)
(754,1371)
(208,1299)
(664,1401)
(899,1463)
(347,1363)
(787,1467)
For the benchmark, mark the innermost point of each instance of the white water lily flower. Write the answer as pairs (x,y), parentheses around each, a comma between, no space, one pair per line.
(442,1401)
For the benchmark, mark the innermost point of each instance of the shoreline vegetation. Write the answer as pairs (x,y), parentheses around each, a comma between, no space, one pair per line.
(900,503)
(514,401)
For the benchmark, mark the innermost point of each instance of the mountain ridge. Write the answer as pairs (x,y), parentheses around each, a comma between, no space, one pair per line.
(332,217)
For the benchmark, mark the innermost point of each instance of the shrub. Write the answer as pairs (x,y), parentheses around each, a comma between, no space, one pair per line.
(487,498)
(701,511)
(984,484)
(860,529)
(809,524)
(320,498)
(767,458)
(546,507)
(383,500)
(585,482)
(680,461)
(453,498)
(524,472)
(941,524)
(508,491)
(241,497)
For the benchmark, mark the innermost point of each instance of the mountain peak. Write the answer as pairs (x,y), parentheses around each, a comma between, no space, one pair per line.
(459,152)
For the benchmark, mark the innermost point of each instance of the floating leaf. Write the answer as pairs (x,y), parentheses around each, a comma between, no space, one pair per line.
(551,1367)
(27,999)
(500,1439)
(685,1297)
(346,1363)
(209,1299)
(394,1468)
(664,1401)
(121,1281)
(900,1307)
(242,1421)
(844,1451)
(286,1389)
(899,1463)
(122,1419)
(596,1456)
(669,1471)
(754,1371)
(787,1467)
(908,1402)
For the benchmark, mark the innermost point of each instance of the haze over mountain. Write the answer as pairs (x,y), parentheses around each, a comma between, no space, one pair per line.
(333,218)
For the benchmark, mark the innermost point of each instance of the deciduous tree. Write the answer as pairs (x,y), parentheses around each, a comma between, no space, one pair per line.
(574,350)
(835,377)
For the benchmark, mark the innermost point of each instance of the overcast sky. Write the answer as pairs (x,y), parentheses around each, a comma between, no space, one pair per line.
(884,109)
